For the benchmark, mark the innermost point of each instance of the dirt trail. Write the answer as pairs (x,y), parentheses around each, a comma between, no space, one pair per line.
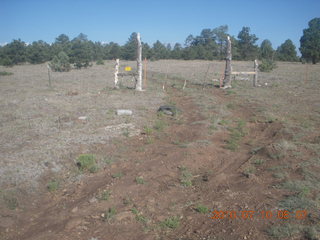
(184,151)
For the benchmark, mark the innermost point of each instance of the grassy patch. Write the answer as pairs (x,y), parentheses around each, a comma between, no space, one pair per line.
(117,175)
(147,130)
(185,177)
(108,160)
(105,195)
(280,175)
(4,73)
(149,140)
(284,231)
(127,201)
(87,162)
(249,170)
(139,216)
(202,208)
(171,222)
(236,134)
(159,125)
(53,185)
(180,144)
(10,201)
(214,124)
(258,162)
(109,214)
(230,106)
(140,180)
(126,132)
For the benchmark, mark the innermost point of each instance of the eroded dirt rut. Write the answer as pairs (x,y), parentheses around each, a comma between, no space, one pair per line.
(183,151)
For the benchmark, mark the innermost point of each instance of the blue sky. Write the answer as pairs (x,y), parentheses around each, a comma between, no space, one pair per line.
(169,21)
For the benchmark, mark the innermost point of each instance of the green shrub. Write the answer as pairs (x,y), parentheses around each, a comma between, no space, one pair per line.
(4,73)
(87,162)
(60,63)
(171,222)
(110,213)
(100,62)
(140,180)
(53,185)
(267,65)
(202,208)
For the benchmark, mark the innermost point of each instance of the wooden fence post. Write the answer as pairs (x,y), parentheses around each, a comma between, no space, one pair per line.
(227,72)
(145,73)
(49,75)
(116,71)
(139,64)
(255,76)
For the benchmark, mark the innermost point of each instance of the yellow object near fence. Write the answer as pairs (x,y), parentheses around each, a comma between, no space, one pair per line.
(127,69)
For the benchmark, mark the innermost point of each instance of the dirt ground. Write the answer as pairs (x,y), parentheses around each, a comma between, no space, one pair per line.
(217,169)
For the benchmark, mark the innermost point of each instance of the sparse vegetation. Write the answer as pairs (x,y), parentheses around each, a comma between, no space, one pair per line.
(87,162)
(139,216)
(126,132)
(105,195)
(147,130)
(236,134)
(110,213)
(117,175)
(284,231)
(5,73)
(171,222)
(202,208)
(10,200)
(159,125)
(140,180)
(258,161)
(53,185)
(185,177)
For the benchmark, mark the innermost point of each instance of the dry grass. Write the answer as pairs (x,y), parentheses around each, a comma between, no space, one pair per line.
(39,127)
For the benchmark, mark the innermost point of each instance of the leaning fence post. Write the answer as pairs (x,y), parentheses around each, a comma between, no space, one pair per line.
(116,71)
(139,64)
(255,76)
(227,73)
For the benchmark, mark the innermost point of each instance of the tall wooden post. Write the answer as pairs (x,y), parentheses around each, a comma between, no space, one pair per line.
(255,76)
(139,64)
(145,73)
(227,72)
(49,75)
(116,71)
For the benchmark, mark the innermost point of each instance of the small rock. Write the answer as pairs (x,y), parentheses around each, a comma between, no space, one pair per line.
(74,210)
(124,112)
(93,200)
(83,118)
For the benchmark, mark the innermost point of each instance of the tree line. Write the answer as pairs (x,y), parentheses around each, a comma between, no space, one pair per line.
(210,44)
